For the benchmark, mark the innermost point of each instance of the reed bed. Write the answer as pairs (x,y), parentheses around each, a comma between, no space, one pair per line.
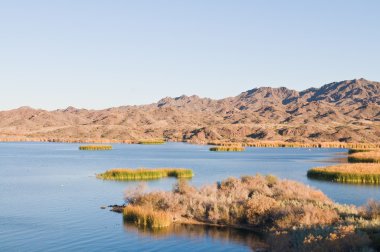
(348,173)
(283,144)
(227,148)
(152,141)
(145,174)
(95,147)
(365,157)
(143,217)
(352,151)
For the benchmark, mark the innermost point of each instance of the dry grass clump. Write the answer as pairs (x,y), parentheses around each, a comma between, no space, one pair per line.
(95,147)
(145,174)
(146,218)
(348,173)
(227,148)
(152,141)
(365,157)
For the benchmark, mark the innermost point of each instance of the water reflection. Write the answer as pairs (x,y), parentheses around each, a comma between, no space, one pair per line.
(200,232)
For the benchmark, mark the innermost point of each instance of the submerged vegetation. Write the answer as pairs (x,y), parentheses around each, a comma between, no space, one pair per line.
(145,174)
(296,216)
(348,173)
(95,147)
(365,157)
(152,141)
(227,148)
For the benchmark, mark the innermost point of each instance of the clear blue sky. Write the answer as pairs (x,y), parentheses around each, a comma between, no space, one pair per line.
(99,54)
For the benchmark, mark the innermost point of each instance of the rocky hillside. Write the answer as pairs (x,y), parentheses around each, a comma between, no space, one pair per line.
(347,111)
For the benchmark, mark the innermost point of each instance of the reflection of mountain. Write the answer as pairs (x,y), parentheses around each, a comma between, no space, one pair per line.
(339,111)
(201,232)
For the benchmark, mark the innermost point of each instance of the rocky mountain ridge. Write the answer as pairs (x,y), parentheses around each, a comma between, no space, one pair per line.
(347,111)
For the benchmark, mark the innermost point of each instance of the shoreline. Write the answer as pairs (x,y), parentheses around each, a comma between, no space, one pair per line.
(255,144)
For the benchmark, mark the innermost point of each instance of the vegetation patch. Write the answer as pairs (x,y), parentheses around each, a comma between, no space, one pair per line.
(152,141)
(365,157)
(143,217)
(227,148)
(283,144)
(145,174)
(352,151)
(348,173)
(95,147)
(296,217)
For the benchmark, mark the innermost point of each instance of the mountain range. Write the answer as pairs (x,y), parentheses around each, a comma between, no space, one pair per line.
(346,111)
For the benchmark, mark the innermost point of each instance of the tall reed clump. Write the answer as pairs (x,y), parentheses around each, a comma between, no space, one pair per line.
(348,173)
(95,147)
(365,157)
(143,217)
(145,174)
(152,141)
(227,148)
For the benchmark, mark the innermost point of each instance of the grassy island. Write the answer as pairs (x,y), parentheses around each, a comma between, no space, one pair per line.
(348,173)
(152,141)
(365,157)
(145,174)
(293,216)
(352,151)
(227,148)
(95,147)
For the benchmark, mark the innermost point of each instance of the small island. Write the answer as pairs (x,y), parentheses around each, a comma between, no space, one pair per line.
(152,141)
(348,173)
(124,174)
(372,156)
(227,148)
(95,147)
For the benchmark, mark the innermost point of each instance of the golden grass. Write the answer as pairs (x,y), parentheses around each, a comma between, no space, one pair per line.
(151,141)
(95,147)
(348,173)
(227,148)
(283,144)
(146,218)
(145,174)
(352,151)
(365,157)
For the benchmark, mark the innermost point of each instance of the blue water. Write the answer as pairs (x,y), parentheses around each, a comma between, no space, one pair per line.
(51,199)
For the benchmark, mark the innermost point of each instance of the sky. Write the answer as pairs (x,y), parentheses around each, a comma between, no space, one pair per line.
(99,54)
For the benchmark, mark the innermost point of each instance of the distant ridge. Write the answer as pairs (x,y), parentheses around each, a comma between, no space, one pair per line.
(346,111)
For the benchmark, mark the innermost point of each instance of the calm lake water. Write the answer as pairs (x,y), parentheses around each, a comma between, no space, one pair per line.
(50,198)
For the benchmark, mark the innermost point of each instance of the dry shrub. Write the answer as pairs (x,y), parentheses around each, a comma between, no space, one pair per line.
(258,207)
(259,201)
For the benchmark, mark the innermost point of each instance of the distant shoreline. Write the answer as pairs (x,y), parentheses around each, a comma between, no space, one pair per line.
(261,144)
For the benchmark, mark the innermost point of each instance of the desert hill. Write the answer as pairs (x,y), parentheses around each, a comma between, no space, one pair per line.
(346,111)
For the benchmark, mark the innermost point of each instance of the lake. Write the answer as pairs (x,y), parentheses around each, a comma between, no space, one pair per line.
(51,199)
